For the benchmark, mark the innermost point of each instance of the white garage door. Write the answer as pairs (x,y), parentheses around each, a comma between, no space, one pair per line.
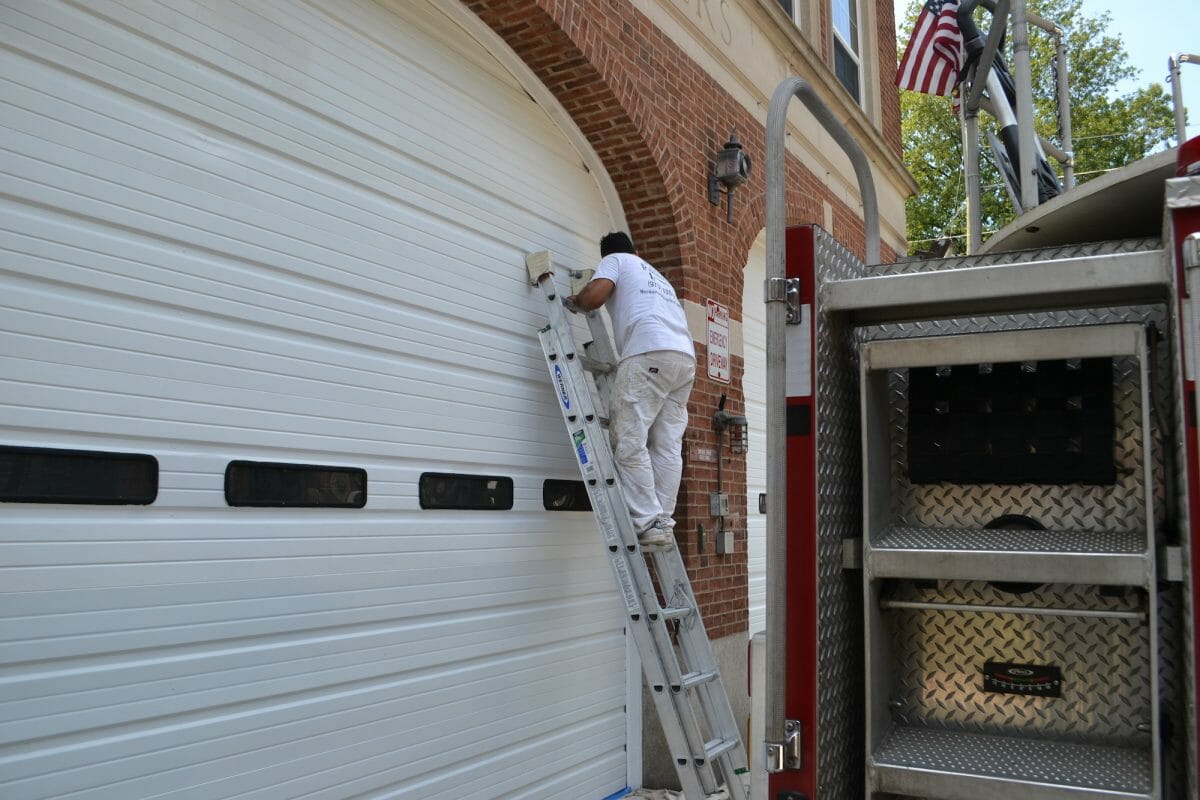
(754,386)
(283,231)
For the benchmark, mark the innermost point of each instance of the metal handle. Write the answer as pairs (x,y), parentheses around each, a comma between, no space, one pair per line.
(1043,612)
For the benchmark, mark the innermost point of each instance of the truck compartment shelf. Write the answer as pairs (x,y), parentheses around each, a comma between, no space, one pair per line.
(1041,556)
(936,763)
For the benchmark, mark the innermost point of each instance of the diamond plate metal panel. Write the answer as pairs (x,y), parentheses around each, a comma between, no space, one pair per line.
(1174,668)
(1067,507)
(1093,508)
(1019,256)
(839,492)
(1177,616)
(1098,767)
(938,655)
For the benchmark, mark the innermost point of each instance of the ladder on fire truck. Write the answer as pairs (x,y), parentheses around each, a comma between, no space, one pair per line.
(689,695)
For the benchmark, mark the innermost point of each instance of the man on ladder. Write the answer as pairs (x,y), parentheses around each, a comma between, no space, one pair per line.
(634,492)
(648,407)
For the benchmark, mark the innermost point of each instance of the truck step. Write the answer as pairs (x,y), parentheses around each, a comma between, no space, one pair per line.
(928,762)
(1039,556)
(1116,279)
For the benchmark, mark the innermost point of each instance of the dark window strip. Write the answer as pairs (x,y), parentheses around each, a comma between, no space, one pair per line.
(440,490)
(83,477)
(267,485)
(559,495)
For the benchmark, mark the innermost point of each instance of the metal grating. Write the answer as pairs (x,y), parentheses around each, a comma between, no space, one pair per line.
(1115,769)
(1010,541)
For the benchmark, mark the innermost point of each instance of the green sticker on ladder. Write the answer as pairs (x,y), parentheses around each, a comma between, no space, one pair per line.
(580,439)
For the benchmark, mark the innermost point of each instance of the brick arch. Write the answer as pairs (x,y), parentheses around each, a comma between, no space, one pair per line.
(581,54)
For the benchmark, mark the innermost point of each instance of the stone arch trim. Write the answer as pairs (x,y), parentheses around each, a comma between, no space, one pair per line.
(581,53)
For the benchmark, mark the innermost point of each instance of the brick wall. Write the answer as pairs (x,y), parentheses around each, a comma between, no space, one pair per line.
(656,119)
(886,52)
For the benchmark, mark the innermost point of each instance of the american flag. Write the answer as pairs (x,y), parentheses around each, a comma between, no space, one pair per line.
(934,56)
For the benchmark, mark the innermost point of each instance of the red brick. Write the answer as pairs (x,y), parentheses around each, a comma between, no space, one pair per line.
(655,119)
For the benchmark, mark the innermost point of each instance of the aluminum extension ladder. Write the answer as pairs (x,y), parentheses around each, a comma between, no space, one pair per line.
(702,736)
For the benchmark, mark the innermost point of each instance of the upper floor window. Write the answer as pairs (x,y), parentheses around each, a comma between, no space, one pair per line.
(789,8)
(846,61)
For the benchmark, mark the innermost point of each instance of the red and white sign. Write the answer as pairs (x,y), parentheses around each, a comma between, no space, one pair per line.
(719,365)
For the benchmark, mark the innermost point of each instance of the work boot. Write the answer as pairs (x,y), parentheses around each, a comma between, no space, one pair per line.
(659,534)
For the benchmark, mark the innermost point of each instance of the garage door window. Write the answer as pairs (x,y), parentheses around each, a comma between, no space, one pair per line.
(262,484)
(42,475)
(469,492)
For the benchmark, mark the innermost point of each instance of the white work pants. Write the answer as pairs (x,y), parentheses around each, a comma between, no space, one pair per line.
(646,424)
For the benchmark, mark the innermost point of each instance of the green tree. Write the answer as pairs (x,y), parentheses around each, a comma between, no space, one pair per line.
(1109,129)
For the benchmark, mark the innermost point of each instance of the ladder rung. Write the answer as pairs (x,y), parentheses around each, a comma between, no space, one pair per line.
(673,613)
(696,678)
(583,402)
(718,747)
(596,366)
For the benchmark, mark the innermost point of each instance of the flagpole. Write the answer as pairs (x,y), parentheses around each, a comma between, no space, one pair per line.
(1026,143)
(970,128)
(972,93)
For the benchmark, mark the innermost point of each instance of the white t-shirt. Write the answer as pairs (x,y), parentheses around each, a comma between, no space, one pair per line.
(646,315)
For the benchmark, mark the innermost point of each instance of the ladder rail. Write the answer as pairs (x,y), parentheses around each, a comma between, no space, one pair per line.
(604,476)
(705,746)
(662,671)
(693,639)
(618,532)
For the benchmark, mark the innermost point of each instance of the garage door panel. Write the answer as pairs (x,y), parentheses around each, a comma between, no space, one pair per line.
(482,774)
(500,114)
(314,113)
(226,353)
(306,724)
(303,644)
(139,692)
(165,573)
(281,220)
(169,672)
(754,387)
(294,232)
(113,395)
(268,246)
(505,583)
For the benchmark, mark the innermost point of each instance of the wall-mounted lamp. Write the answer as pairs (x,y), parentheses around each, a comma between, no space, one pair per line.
(731,171)
(739,436)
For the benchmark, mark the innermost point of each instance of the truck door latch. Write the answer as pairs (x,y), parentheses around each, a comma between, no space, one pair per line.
(784,290)
(787,754)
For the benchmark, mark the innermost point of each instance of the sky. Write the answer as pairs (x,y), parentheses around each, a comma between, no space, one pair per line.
(1152,31)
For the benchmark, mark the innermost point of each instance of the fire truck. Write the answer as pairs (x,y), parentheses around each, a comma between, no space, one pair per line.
(983,506)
